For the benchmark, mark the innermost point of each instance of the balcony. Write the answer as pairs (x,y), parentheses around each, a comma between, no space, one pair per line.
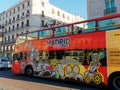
(110,10)
(12,41)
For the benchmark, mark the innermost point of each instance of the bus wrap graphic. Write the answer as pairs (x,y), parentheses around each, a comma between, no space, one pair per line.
(75,54)
(113,45)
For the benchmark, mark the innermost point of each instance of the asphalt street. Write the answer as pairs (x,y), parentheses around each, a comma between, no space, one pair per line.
(37,82)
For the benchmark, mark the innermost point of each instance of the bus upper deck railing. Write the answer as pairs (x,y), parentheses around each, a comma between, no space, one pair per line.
(98,24)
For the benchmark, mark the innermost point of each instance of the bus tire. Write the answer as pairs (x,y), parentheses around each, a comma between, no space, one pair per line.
(29,71)
(114,81)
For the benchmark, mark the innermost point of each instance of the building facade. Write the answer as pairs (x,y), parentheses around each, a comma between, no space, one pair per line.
(99,8)
(29,15)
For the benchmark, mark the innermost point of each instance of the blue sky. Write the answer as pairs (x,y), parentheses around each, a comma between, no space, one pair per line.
(78,7)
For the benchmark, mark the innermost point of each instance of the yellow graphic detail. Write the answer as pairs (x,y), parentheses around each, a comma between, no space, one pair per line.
(97,79)
(87,79)
(92,73)
(113,50)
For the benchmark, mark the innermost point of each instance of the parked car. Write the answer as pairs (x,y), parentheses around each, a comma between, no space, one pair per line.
(5,63)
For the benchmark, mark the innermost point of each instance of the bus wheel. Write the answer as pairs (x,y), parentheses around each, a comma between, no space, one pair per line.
(29,71)
(114,81)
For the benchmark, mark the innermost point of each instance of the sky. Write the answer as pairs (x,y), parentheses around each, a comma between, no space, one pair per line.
(78,7)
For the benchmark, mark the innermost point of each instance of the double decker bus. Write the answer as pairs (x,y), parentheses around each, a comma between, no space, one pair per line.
(83,52)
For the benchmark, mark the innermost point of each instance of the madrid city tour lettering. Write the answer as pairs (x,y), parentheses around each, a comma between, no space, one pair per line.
(62,42)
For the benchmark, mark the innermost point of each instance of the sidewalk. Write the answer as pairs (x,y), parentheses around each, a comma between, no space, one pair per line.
(11,84)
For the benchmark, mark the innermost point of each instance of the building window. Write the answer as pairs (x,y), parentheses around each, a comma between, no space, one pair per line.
(13,28)
(107,4)
(42,14)
(23,6)
(22,15)
(28,3)
(5,30)
(22,24)
(12,37)
(53,11)
(18,17)
(42,23)
(13,19)
(8,38)
(42,3)
(63,15)
(18,8)
(5,38)
(68,17)
(9,21)
(9,29)
(58,13)
(28,13)
(3,17)
(10,13)
(6,15)
(17,26)
(6,22)
(27,23)
(14,10)
(110,7)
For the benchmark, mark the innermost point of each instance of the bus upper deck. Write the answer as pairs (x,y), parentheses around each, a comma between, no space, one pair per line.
(98,24)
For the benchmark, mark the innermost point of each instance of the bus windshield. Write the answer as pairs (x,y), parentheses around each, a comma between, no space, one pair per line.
(20,39)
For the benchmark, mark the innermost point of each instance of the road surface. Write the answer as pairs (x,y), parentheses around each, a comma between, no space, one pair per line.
(9,81)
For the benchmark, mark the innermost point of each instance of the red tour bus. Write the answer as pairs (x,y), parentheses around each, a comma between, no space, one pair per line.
(83,52)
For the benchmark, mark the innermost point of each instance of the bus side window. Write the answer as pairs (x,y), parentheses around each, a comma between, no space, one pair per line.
(85,60)
(40,54)
(51,54)
(45,55)
(16,57)
(21,55)
(67,55)
(60,54)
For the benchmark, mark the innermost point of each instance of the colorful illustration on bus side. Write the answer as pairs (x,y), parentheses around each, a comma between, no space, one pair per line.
(92,73)
(80,65)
